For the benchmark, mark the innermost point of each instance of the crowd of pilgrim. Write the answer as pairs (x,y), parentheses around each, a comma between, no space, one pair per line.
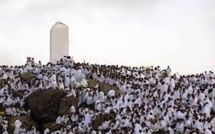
(151,100)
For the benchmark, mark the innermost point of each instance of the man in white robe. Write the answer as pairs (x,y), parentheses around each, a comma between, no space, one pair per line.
(74,117)
(111,93)
(46,131)
(67,81)
(4,77)
(18,125)
(89,99)
(84,83)
(61,85)
(138,129)
(101,96)
(59,120)
(53,80)
(73,81)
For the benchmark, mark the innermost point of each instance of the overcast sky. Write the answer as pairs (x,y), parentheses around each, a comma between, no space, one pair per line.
(179,33)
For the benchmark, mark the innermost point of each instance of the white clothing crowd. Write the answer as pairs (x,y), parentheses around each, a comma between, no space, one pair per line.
(151,100)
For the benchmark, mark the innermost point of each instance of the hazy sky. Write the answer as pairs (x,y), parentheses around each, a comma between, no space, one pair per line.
(179,33)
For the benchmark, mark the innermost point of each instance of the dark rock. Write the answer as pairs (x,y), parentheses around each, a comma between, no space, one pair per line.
(105,88)
(1,129)
(15,93)
(159,132)
(66,103)
(96,122)
(45,104)
(27,77)
(2,83)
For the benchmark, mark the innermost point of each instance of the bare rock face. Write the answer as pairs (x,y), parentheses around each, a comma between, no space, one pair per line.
(66,103)
(45,104)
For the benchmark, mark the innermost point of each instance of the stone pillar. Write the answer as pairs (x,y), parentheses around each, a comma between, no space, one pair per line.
(59,42)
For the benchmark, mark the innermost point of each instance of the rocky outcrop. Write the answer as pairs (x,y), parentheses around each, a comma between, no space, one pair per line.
(45,104)
(105,88)
(66,103)
(45,107)
(27,77)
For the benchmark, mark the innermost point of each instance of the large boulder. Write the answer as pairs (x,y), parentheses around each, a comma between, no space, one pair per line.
(45,104)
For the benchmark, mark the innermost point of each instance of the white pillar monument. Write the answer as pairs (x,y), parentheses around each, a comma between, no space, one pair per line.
(59,42)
